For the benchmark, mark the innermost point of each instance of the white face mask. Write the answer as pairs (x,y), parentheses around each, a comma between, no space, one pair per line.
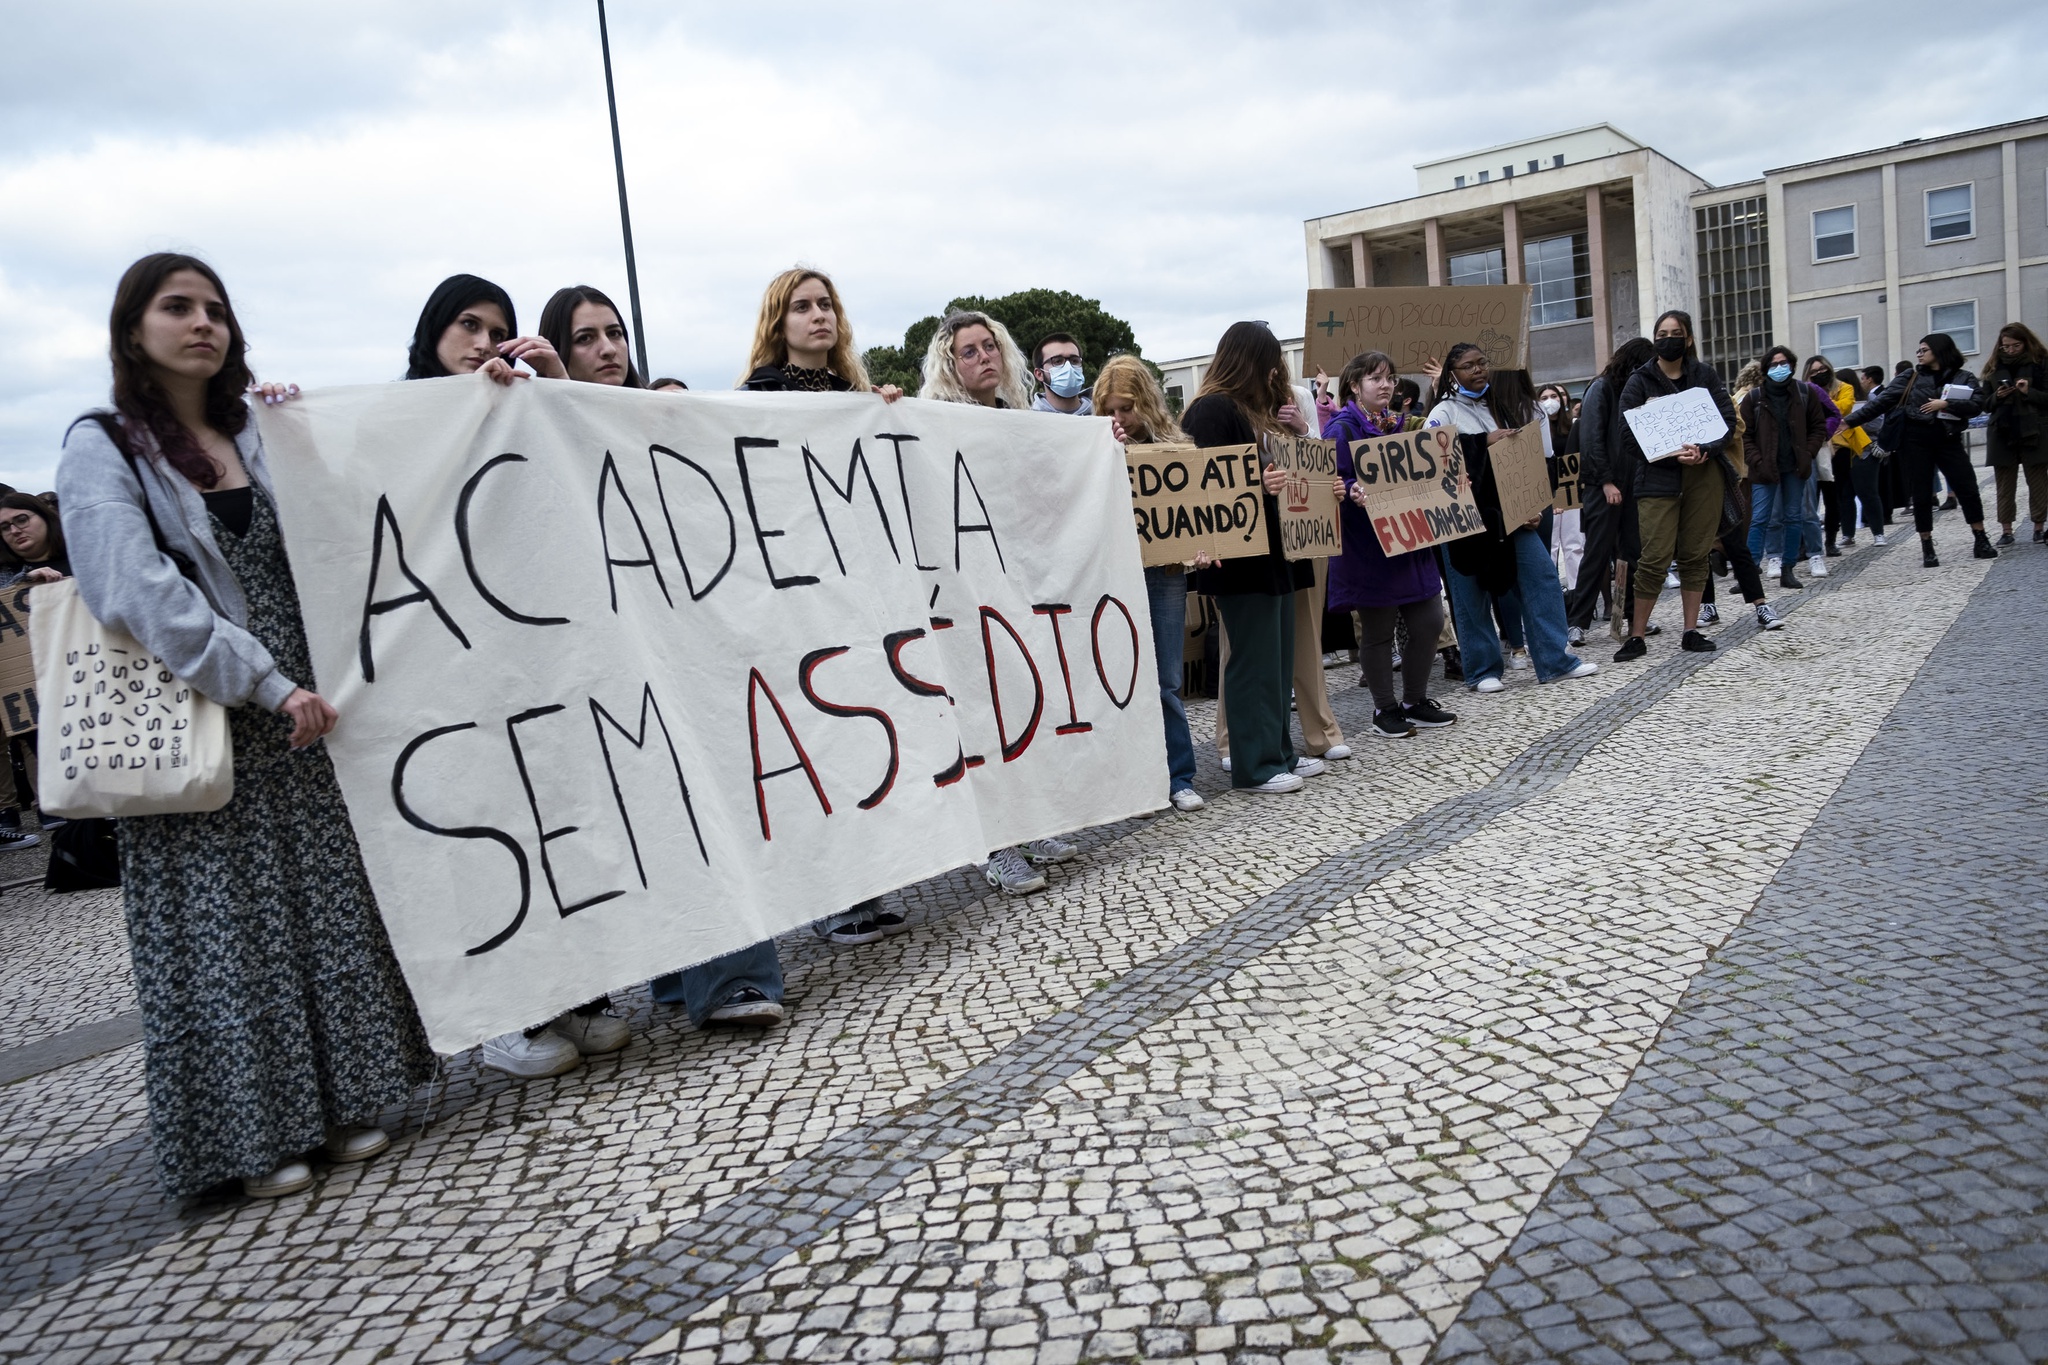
(1551,407)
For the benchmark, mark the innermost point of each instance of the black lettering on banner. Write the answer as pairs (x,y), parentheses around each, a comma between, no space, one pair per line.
(496,836)
(732,525)
(469,556)
(547,836)
(609,474)
(740,446)
(1053,611)
(1095,640)
(599,717)
(756,684)
(1012,751)
(893,644)
(421,592)
(812,469)
(985,524)
(903,484)
(803,680)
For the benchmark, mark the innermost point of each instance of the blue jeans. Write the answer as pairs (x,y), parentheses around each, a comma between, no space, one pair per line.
(1767,506)
(1537,601)
(1167,590)
(704,987)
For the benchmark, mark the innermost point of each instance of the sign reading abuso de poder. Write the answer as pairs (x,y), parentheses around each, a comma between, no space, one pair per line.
(1417,324)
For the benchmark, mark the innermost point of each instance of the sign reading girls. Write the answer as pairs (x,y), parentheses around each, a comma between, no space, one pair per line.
(1417,489)
(631,680)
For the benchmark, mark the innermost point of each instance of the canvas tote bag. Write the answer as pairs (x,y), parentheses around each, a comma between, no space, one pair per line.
(121,735)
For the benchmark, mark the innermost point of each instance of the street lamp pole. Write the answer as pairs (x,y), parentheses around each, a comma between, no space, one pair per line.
(625,218)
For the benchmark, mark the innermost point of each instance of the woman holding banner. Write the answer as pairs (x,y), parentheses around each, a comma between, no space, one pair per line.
(585,330)
(1127,394)
(470,326)
(275,1019)
(1383,589)
(1508,565)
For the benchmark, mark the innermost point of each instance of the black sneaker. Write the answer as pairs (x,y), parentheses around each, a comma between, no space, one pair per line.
(2005,538)
(1928,559)
(1695,643)
(2040,534)
(1391,723)
(1454,666)
(890,923)
(1427,715)
(1951,504)
(1787,581)
(17,838)
(1982,549)
(1831,552)
(1634,649)
(848,932)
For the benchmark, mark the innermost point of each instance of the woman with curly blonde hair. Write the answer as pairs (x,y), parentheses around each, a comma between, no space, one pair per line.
(803,342)
(972,359)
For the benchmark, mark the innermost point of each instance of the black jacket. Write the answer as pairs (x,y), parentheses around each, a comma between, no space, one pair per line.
(1903,396)
(1598,412)
(1215,420)
(2018,430)
(1661,478)
(770,379)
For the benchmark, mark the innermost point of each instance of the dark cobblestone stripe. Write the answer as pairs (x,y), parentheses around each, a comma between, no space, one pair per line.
(1837,1149)
(748,1234)
(72,1045)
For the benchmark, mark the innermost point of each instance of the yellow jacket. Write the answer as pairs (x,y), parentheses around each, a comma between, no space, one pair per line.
(1852,439)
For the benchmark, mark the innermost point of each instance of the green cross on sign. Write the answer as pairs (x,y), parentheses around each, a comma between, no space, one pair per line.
(1330,324)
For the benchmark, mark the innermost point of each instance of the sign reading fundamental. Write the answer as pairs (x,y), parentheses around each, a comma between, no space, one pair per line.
(1417,490)
(629,681)
(1189,500)
(1416,325)
(1309,526)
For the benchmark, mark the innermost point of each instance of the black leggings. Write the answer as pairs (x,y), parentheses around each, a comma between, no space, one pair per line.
(1921,459)
(1838,513)
(1747,580)
(1425,622)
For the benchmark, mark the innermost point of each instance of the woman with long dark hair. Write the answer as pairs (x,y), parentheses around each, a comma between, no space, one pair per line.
(585,329)
(1509,567)
(2016,437)
(469,325)
(1606,512)
(1936,397)
(275,1019)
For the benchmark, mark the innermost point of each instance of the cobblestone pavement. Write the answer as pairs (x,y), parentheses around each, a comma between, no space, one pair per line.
(1287,1079)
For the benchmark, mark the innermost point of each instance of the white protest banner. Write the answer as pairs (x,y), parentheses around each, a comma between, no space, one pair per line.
(629,680)
(1672,420)
(1521,474)
(1309,525)
(1417,489)
(1189,500)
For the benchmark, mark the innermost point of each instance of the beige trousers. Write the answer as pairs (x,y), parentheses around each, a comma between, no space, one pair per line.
(1319,732)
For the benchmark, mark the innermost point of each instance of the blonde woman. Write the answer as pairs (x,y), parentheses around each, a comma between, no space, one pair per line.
(972,359)
(1127,394)
(803,342)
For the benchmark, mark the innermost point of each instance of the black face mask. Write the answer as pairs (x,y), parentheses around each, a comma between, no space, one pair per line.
(1669,348)
(1928,369)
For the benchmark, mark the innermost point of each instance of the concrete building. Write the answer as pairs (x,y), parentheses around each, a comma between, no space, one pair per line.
(1875,249)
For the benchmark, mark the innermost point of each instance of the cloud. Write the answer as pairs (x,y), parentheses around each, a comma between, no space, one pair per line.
(334,166)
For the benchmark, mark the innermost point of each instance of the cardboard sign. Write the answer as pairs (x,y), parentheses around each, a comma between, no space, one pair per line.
(1417,324)
(1565,480)
(1688,417)
(1189,500)
(1309,525)
(1417,489)
(17,664)
(1521,475)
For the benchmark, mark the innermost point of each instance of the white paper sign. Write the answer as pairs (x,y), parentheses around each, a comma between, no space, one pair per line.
(1688,417)
(631,680)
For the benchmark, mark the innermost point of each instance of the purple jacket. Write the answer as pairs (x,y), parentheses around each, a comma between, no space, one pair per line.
(1363,576)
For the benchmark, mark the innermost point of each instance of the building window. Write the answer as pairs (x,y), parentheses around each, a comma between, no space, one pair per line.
(1735,283)
(1959,320)
(1951,213)
(1560,277)
(1834,233)
(1482,177)
(1507,172)
(1459,183)
(1841,341)
(1557,160)
(1534,167)
(1479,267)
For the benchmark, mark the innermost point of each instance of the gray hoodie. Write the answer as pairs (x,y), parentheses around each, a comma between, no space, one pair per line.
(196,625)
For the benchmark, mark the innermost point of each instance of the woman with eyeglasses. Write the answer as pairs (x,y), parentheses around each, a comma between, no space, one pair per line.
(31,550)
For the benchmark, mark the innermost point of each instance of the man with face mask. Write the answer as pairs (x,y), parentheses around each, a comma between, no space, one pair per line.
(1056,364)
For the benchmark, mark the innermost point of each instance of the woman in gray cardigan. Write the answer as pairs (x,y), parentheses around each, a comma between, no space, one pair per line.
(276,1023)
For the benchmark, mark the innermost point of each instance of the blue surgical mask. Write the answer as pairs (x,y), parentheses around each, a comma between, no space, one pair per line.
(1064,380)
(1479,392)
(1778,374)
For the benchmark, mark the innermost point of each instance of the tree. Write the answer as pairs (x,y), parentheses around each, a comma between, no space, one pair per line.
(1029,314)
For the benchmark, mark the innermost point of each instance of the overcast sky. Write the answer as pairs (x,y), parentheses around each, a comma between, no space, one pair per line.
(334,162)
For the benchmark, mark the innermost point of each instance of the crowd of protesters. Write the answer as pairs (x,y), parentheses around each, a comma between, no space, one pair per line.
(276,1021)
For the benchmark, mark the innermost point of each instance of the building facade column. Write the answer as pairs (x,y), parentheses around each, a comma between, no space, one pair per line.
(2008,155)
(1511,241)
(1361,262)
(1596,266)
(1433,249)
(1894,331)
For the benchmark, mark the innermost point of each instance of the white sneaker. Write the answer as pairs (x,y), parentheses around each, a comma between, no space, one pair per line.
(1518,658)
(1339,752)
(592,1034)
(545,1054)
(1278,782)
(1817,567)
(1007,871)
(354,1144)
(1225,761)
(1489,685)
(1773,566)
(1187,798)
(289,1178)
(1309,767)
(1671,583)
(1050,850)
(1586,669)
(1877,539)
